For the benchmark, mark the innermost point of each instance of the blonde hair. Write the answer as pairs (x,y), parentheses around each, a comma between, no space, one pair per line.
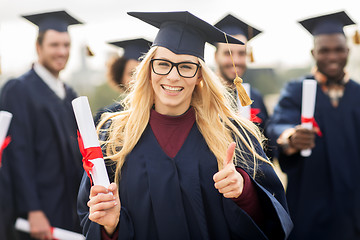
(213,112)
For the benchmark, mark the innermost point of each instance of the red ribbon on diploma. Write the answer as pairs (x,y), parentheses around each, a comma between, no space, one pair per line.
(315,125)
(253,115)
(88,154)
(4,145)
(52,233)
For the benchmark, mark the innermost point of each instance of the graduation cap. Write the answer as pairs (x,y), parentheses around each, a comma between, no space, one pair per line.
(133,48)
(234,26)
(327,24)
(184,33)
(58,20)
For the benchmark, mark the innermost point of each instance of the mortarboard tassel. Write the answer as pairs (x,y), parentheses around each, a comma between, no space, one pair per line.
(251,55)
(250,35)
(89,52)
(243,97)
(356,37)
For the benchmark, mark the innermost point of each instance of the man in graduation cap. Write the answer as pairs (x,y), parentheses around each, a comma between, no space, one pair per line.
(121,69)
(44,159)
(323,190)
(244,32)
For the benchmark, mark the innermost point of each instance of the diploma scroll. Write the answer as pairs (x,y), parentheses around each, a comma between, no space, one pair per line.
(5,119)
(308,107)
(57,233)
(88,134)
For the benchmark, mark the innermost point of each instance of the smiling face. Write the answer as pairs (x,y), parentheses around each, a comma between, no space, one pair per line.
(330,53)
(223,59)
(53,51)
(172,93)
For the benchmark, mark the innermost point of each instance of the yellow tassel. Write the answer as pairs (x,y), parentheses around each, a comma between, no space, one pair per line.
(251,55)
(250,35)
(89,52)
(356,37)
(244,98)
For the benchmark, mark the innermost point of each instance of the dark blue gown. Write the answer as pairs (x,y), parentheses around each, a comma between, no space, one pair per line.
(323,190)
(175,198)
(261,117)
(259,104)
(43,164)
(115,107)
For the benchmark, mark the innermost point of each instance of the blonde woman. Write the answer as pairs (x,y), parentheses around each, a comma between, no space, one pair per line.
(172,148)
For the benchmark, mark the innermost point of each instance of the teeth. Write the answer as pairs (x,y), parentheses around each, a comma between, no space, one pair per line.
(172,88)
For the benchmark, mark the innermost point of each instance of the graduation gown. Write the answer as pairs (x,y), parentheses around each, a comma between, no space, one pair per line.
(115,107)
(323,190)
(43,163)
(258,109)
(6,228)
(258,113)
(175,198)
(260,117)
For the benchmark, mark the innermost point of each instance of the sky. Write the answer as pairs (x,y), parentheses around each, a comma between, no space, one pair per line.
(283,41)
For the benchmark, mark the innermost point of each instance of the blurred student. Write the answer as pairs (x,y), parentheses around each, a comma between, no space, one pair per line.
(323,190)
(239,54)
(121,70)
(43,159)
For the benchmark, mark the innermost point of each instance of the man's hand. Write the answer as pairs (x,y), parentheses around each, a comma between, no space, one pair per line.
(293,140)
(40,227)
(302,138)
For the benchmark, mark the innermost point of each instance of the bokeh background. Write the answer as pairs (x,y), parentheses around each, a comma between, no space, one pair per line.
(281,52)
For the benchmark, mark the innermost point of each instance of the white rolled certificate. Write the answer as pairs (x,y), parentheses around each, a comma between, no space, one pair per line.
(57,233)
(87,131)
(308,107)
(246,110)
(5,119)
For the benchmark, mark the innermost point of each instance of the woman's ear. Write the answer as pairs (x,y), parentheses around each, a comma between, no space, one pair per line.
(199,78)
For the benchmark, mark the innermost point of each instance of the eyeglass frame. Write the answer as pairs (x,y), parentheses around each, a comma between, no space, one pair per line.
(174,65)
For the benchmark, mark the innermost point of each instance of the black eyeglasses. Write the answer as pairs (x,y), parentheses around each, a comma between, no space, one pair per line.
(164,67)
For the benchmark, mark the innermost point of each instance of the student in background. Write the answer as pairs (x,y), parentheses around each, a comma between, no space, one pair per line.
(43,160)
(121,70)
(239,54)
(323,190)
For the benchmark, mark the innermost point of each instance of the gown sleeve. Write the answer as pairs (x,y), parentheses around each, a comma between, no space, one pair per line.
(276,223)
(287,114)
(20,154)
(105,236)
